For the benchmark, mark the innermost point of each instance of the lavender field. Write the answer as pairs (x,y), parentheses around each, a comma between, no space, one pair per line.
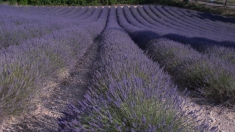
(115,69)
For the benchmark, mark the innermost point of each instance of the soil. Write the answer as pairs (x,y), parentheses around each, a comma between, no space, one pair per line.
(68,86)
(213,114)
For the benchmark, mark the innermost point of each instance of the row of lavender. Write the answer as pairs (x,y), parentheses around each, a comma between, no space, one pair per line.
(207,44)
(150,18)
(210,41)
(208,69)
(24,67)
(128,92)
(182,24)
(17,26)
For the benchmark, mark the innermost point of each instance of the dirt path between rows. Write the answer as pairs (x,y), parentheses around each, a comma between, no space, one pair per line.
(69,86)
(215,115)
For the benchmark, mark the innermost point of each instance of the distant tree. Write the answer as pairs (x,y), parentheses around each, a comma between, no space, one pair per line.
(22,2)
(225,2)
(112,2)
(185,1)
(12,2)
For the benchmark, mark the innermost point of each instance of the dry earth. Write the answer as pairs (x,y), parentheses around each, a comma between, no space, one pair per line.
(215,115)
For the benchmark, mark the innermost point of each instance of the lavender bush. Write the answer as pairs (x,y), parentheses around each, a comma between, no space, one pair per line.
(209,75)
(171,54)
(224,53)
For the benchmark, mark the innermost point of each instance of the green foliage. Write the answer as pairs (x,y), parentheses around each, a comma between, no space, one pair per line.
(36,2)
(112,2)
(82,2)
(12,2)
(22,2)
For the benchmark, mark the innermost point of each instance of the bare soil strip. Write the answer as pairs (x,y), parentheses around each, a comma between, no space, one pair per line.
(215,115)
(68,86)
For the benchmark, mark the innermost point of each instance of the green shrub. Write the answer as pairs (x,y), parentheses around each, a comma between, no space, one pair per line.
(112,2)
(185,1)
(22,2)
(12,2)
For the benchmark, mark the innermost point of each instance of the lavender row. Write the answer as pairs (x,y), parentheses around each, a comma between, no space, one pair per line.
(152,16)
(25,67)
(69,10)
(112,19)
(153,20)
(138,34)
(191,31)
(78,14)
(196,20)
(130,18)
(173,28)
(75,13)
(87,14)
(198,43)
(65,12)
(210,32)
(172,19)
(201,24)
(15,35)
(210,75)
(140,15)
(159,15)
(132,10)
(136,19)
(129,92)
(209,18)
(94,15)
